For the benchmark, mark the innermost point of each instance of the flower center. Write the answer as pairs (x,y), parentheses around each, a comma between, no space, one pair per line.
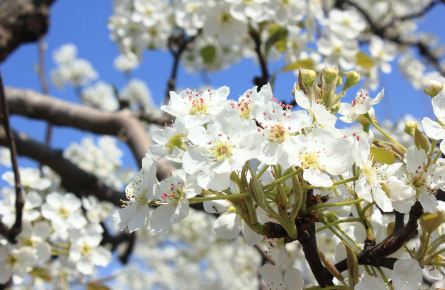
(225,17)
(11,261)
(63,212)
(309,160)
(175,141)
(86,250)
(221,151)
(277,133)
(199,107)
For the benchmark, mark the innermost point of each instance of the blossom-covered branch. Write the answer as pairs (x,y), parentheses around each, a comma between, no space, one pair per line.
(384,31)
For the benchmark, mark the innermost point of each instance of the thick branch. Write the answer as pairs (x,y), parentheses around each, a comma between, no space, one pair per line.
(122,124)
(22,21)
(377,254)
(308,241)
(74,179)
(10,143)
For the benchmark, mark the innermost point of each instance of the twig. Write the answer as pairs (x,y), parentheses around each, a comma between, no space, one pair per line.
(265,76)
(176,45)
(43,83)
(19,198)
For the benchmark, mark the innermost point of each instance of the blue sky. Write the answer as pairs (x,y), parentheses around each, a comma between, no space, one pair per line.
(84,23)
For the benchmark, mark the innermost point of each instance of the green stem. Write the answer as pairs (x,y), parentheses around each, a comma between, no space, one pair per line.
(283,178)
(347,220)
(341,203)
(199,199)
(384,133)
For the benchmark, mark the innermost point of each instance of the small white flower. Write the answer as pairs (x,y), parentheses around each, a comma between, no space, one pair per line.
(134,215)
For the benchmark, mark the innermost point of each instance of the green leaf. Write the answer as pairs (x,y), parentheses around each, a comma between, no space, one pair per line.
(352,262)
(383,155)
(306,63)
(208,54)
(277,35)
(364,60)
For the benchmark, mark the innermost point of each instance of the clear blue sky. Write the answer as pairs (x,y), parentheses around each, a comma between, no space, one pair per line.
(84,23)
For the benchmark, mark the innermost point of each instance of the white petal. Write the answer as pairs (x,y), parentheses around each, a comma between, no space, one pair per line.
(382,200)
(317,178)
(433,129)
(101,256)
(428,202)
(293,279)
(250,237)
(416,159)
(161,218)
(370,283)
(272,276)
(227,226)
(406,275)
(216,206)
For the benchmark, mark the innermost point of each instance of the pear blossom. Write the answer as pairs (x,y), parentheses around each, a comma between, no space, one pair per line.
(346,24)
(219,150)
(139,192)
(361,105)
(171,141)
(100,96)
(196,107)
(85,251)
(35,237)
(174,191)
(321,154)
(15,261)
(64,212)
(410,183)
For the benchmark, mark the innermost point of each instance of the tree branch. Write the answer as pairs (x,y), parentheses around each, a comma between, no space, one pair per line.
(123,124)
(74,179)
(22,21)
(265,76)
(377,254)
(19,198)
(176,45)
(383,32)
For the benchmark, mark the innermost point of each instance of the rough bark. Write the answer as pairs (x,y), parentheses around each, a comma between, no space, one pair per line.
(22,21)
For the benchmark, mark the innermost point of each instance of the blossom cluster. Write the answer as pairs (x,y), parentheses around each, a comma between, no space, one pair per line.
(257,162)
(57,238)
(223,33)
(65,238)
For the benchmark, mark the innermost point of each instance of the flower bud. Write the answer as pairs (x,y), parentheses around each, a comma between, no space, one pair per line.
(431,221)
(308,77)
(330,74)
(352,78)
(410,127)
(432,88)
